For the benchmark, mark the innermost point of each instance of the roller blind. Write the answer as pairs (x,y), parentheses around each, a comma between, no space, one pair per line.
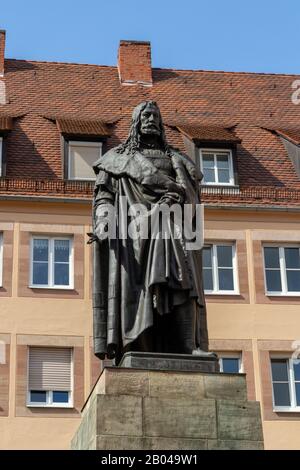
(50,368)
(82,156)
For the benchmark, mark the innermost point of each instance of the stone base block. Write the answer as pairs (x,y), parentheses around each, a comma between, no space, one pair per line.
(131,409)
(175,362)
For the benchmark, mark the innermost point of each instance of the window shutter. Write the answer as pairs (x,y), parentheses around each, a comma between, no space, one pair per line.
(50,368)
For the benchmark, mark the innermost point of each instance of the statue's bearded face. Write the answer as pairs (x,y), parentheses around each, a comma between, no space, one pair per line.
(150,121)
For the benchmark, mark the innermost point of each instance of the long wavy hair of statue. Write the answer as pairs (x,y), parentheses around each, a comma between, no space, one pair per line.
(132,143)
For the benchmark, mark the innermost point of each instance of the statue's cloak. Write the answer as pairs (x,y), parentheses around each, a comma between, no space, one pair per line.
(129,274)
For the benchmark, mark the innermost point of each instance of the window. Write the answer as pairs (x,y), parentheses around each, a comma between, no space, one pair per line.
(217,167)
(81,157)
(219,269)
(286,384)
(50,377)
(230,363)
(1,259)
(51,262)
(282,270)
(1,155)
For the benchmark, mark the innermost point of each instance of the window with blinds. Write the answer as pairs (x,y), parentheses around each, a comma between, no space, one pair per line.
(50,376)
(81,157)
(1,259)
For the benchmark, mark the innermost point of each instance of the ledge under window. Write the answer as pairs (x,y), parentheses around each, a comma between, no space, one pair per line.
(286,410)
(52,287)
(221,293)
(280,294)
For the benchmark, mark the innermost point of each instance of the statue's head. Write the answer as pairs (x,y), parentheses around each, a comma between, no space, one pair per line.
(146,121)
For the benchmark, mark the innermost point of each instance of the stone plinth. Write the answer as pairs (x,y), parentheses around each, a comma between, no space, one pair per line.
(174,362)
(151,410)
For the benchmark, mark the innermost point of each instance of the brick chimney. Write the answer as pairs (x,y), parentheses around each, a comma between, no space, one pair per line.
(134,63)
(2,51)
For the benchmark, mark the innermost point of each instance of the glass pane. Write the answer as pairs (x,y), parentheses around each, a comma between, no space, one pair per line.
(273,280)
(209,176)
(61,250)
(297,386)
(279,370)
(297,370)
(281,394)
(208,279)
(293,281)
(61,274)
(223,161)
(60,397)
(208,160)
(271,257)
(40,274)
(206,257)
(40,249)
(223,176)
(224,254)
(292,258)
(230,365)
(38,396)
(225,279)
(82,158)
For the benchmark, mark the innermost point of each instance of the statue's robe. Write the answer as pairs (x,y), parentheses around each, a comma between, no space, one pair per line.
(132,277)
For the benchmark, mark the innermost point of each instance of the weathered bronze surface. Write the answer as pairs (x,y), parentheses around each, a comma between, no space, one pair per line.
(147,293)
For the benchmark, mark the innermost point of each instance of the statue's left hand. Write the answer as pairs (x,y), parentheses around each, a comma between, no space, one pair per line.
(171,198)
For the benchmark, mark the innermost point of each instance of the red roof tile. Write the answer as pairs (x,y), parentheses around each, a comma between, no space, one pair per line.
(199,99)
(291,134)
(80,127)
(209,134)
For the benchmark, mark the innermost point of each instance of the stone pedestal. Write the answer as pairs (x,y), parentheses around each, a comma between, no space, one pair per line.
(131,409)
(167,362)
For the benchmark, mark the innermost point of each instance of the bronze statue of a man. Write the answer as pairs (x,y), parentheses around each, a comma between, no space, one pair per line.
(147,291)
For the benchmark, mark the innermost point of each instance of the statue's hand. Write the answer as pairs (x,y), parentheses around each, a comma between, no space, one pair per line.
(102,217)
(174,187)
(172,198)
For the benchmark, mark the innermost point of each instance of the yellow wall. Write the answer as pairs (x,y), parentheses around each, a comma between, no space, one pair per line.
(228,320)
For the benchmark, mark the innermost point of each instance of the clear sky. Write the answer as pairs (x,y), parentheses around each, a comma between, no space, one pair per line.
(232,35)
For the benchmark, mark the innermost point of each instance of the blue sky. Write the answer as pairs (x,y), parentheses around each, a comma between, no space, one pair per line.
(231,35)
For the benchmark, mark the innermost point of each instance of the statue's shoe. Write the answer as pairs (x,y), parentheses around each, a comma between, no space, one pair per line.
(200,352)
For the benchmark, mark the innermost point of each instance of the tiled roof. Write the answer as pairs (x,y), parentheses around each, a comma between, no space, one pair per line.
(209,134)
(291,134)
(252,103)
(80,127)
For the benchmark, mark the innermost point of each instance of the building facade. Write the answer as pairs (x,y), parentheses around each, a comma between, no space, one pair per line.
(243,131)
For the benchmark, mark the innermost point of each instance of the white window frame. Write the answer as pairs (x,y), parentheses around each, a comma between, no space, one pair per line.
(284,292)
(216,290)
(1,154)
(51,284)
(49,394)
(76,143)
(230,161)
(291,378)
(1,259)
(232,355)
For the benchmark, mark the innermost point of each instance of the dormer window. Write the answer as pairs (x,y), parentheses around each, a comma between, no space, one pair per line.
(217,167)
(214,149)
(6,124)
(82,145)
(1,154)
